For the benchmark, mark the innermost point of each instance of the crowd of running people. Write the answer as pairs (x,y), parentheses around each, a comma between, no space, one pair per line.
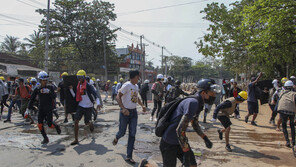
(175,105)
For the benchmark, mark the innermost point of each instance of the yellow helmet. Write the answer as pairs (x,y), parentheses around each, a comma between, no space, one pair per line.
(2,78)
(284,80)
(81,73)
(64,74)
(121,79)
(93,78)
(243,94)
(115,83)
(108,81)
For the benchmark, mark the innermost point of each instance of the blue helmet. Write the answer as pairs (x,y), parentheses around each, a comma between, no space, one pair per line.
(43,75)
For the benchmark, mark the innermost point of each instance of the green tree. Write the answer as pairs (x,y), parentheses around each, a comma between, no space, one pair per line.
(10,45)
(82,26)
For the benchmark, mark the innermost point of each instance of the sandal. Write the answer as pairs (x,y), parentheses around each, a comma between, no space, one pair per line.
(130,161)
(74,142)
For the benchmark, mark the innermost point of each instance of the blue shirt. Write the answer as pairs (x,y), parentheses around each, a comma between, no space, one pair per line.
(189,107)
(252,93)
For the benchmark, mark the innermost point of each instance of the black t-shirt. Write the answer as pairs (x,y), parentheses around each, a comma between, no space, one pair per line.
(46,96)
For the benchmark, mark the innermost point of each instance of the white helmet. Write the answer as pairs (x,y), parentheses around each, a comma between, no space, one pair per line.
(98,80)
(165,80)
(91,82)
(159,76)
(232,80)
(43,75)
(146,81)
(292,77)
(289,84)
(275,81)
(33,80)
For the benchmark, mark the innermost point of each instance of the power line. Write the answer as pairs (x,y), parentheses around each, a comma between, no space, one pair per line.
(18,23)
(39,3)
(27,4)
(158,8)
(12,18)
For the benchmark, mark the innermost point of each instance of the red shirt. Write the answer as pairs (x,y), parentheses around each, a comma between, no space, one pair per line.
(24,94)
(235,93)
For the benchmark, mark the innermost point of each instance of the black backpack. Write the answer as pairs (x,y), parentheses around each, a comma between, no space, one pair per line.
(163,120)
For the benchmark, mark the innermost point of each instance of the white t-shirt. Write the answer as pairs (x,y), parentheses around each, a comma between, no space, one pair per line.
(130,95)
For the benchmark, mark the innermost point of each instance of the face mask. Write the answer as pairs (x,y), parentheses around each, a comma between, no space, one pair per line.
(211,100)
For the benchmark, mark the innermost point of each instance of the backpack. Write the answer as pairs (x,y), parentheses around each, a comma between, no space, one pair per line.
(163,120)
(19,92)
(171,95)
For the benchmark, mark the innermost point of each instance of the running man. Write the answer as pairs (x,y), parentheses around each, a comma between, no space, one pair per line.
(46,95)
(223,111)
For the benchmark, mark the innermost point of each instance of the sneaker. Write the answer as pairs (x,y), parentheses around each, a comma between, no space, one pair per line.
(114,142)
(205,120)
(58,129)
(253,123)
(66,120)
(7,121)
(220,134)
(238,117)
(246,119)
(294,150)
(151,119)
(45,141)
(288,144)
(228,148)
(91,127)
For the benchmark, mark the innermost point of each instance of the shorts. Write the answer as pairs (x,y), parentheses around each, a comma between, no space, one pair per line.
(253,108)
(170,153)
(86,112)
(225,121)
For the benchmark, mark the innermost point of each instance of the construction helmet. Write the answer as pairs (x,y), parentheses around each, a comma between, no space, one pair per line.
(93,78)
(232,80)
(115,83)
(208,85)
(146,81)
(108,81)
(292,77)
(81,73)
(2,78)
(33,80)
(289,84)
(121,79)
(43,75)
(64,74)
(159,76)
(284,80)
(243,94)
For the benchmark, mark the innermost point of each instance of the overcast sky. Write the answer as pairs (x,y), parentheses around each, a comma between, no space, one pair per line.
(175,27)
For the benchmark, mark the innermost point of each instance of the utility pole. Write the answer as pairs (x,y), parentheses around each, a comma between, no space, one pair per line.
(105,59)
(162,59)
(142,59)
(46,39)
(166,66)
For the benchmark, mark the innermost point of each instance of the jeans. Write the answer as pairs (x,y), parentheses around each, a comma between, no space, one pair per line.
(106,95)
(3,102)
(12,102)
(236,111)
(157,105)
(131,121)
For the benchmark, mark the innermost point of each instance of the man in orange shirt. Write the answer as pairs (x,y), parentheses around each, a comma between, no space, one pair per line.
(24,93)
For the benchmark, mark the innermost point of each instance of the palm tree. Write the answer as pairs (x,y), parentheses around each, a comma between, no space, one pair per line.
(34,40)
(10,45)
